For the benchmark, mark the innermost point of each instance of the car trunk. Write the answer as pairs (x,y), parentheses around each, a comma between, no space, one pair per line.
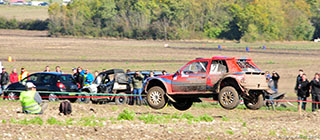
(255,80)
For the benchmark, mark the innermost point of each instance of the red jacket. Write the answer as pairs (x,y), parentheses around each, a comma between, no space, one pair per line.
(14,77)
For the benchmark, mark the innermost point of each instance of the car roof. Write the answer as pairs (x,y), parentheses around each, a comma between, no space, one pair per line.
(112,71)
(51,73)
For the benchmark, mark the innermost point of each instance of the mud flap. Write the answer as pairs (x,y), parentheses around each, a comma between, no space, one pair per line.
(170,98)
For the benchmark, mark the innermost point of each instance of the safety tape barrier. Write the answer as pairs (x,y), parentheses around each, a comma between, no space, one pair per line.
(268,100)
(73,93)
(106,95)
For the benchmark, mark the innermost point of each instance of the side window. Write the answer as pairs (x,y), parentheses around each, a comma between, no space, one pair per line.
(196,67)
(218,66)
(47,79)
(33,78)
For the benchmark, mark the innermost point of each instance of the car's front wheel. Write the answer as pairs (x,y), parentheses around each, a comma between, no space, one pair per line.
(229,97)
(156,98)
(119,100)
(84,98)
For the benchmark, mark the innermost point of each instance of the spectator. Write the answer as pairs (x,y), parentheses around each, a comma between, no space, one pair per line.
(164,72)
(23,74)
(315,92)
(31,101)
(78,77)
(303,91)
(14,77)
(267,74)
(299,79)
(151,74)
(88,78)
(58,69)
(47,69)
(98,78)
(275,78)
(136,87)
(4,80)
(270,91)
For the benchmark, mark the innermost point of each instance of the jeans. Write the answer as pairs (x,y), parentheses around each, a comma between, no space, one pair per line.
(315,98)
(304,104)
(137,91)
(3,87)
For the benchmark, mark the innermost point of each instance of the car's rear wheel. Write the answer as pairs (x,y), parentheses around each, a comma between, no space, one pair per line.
(182,105)
(82,99)
(229,97)
(119,100)
(255,102)
(156,98)
(53,97)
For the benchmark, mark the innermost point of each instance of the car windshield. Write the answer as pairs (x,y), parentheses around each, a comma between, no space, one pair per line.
(66,79)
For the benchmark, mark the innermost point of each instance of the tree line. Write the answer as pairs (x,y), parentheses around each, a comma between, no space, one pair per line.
(245,20)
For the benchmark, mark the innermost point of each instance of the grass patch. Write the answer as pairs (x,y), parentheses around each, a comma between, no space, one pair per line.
(224,118)
(126,115)
(54,121)
(157,119)
(230,132)
(35,120)
(90,121)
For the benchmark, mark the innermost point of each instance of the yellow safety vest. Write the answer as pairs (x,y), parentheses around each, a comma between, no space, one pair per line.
(29,105)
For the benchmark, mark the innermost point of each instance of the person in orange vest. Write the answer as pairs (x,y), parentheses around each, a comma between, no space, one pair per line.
(23,74)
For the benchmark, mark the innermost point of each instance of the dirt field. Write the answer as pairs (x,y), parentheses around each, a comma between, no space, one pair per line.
(101,122)
(33,50)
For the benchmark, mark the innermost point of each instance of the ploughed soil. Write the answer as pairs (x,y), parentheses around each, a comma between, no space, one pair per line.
(91,121)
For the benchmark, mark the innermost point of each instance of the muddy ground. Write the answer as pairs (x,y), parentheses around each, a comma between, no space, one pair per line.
(103,123)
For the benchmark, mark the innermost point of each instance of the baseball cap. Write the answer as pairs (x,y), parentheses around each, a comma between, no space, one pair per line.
(30,85)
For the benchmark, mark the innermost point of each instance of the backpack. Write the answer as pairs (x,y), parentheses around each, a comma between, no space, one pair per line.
(65,108)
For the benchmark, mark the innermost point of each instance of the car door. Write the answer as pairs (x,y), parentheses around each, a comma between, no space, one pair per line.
(218,69)
(191,78)
(46,82)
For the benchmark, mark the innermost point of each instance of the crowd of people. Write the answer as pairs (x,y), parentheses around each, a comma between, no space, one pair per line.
(304,87)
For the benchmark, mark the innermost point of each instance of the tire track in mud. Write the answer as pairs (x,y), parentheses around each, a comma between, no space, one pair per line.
(251,51)
(97,60)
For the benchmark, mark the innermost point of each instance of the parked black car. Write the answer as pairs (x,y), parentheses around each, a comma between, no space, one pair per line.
(46,83)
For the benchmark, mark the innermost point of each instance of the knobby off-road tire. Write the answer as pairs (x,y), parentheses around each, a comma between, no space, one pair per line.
(182,105)
(83,100)
(156,98)
(229,97)
(121,100)
(255,103)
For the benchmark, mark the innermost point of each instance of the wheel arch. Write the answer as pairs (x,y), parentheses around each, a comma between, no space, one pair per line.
(156,82)
(230,81)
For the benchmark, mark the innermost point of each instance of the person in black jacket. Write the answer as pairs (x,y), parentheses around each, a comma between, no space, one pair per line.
(299,78)
(275,78)
(315,92)
(78,77)
(303,91)
(4,80)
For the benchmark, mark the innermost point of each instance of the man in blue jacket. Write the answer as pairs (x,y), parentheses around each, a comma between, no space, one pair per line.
(88,78)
